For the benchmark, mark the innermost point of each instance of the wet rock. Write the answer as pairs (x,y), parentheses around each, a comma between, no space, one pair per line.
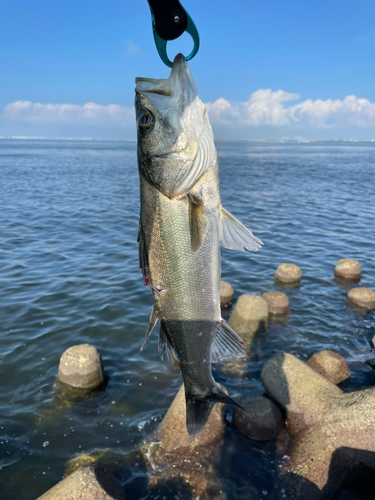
(249,316)
(278,303)
(304,393)
(172,432)
(226,294)
(362,297)
(84,460)
(261,421)
(288,273)
(331,365)
(333,438)
(87,483)
(348,269)
(81,367)
(170,453)
(173,464)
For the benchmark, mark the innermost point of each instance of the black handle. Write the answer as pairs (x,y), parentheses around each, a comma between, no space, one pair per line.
(170,18)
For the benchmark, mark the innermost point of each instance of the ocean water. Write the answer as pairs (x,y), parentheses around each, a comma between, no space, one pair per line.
(69,274)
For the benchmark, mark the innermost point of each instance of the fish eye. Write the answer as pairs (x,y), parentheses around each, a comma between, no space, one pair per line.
(145,119)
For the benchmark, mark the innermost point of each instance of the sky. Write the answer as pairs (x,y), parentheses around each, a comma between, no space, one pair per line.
(266,69)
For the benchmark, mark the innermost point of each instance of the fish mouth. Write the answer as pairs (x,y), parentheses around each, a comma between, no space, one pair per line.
(178,89)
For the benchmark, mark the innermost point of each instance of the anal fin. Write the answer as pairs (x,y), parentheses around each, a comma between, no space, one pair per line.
(165,348)
(227,344)
(234,235)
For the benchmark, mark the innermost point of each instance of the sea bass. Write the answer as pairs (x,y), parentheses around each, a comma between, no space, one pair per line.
(182,225)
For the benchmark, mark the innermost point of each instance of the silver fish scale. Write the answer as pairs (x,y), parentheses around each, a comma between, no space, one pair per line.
(189,303)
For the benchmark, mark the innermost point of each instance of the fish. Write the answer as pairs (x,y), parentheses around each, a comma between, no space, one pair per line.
(182,225)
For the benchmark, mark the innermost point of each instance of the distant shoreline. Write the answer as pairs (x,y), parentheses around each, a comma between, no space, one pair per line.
(254,141)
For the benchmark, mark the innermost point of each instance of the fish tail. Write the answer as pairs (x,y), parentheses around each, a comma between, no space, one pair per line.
(198,409)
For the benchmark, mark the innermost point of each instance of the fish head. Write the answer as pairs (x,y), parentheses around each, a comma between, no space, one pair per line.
(175,140)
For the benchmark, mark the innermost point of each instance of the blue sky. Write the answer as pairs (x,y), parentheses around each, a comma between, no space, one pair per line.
(269,69)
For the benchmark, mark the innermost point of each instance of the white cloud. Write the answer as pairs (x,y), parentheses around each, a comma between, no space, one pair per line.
(88,114)
(132,48)
(266,107)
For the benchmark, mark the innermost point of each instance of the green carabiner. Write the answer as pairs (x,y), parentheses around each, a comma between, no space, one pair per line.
(169,21)
(161,44)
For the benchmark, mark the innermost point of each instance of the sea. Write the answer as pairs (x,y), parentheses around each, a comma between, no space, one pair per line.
(69,274)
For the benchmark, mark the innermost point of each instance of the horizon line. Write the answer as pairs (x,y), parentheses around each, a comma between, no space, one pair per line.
(266,141)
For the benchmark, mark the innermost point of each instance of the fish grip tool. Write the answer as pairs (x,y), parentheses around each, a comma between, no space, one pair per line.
(169,21)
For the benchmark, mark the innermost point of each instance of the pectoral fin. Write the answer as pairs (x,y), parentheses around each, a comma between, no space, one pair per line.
(234,235)
(197,221)
(227,344)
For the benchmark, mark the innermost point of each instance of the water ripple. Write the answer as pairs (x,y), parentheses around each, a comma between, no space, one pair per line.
(69,274)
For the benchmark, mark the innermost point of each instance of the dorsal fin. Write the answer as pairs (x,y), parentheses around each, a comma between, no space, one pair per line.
(227,344)
(234,235)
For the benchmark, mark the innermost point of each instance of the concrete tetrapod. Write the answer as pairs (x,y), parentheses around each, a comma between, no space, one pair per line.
(288,274)
(91,482)
(278,303)
(261,421)
(81,367)
(361,297)
(172,455)
(249,316)
(348,269)
(175,464)
(333,431)
(226,294)
(331,365)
